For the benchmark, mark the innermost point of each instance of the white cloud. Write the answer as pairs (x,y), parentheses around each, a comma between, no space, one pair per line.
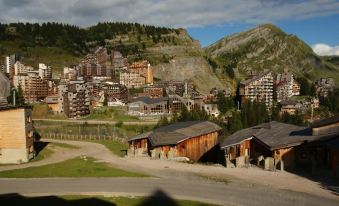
(325,50)
(173,13)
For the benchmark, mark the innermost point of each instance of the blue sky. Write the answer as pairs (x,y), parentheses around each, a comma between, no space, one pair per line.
(314,21)
(312,31)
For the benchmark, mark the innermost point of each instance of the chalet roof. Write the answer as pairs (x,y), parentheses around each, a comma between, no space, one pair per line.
(178,132)
(274,135)
(140,136)
(148,100)
(326,121)
(288,102)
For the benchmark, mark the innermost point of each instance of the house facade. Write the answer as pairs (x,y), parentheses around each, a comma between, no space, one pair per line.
(16,136)
(188,140)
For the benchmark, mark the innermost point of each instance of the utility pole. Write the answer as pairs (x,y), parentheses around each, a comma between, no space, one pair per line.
(13,96)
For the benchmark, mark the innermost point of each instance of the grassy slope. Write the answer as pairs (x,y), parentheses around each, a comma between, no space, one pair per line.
(114,146)
(297,56)
(77,167)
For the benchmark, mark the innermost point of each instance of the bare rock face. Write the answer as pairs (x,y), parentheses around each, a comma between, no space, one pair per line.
(191,68)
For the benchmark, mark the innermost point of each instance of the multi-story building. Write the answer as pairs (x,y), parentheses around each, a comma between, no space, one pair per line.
(286,87)
(9,64)
(4,89)
(153,92)
(132,80)
(144,69)
(21,69)
(45,72)
(118,61)
(115,92)
(70,73)
(74,98)
(258,88)
(35,89)
(324,85)
(16,136)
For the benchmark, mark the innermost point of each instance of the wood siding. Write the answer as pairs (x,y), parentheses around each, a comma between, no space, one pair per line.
(15,132)
(194,148)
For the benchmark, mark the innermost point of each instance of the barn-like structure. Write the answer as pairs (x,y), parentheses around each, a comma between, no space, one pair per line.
(191,139)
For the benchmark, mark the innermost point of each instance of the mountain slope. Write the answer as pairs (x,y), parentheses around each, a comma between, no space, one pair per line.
(268,47)
(172,52)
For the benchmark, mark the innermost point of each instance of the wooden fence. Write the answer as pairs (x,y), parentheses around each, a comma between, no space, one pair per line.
(82,137)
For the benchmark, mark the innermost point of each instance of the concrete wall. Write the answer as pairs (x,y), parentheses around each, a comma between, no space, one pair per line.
(16,156)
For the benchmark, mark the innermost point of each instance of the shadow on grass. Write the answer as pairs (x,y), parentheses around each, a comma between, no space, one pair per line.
(157,198)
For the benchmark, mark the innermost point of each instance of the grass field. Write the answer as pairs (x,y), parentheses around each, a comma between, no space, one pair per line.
(110,114)
(77,167)
(159,198)
(114,146)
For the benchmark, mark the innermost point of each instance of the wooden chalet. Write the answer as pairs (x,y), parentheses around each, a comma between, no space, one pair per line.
(289,146)
(190,139)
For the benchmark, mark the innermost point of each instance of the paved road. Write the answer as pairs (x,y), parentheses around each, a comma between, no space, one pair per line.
(229,194)
(99,121)
(176,179)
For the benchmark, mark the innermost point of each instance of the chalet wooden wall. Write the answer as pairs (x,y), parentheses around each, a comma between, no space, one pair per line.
(194,148)
(12,128)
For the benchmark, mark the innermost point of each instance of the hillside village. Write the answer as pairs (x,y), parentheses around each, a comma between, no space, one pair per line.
(268,119)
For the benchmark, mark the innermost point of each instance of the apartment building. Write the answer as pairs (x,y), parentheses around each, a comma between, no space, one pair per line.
(115,92)
(132,80)
(153,92)
(118,61)
(144,69)
(45,72)
(74,98)
(21,69)
(4,89)
(16,136)
(34,88)
(286,87)
(258,88)
(324,85)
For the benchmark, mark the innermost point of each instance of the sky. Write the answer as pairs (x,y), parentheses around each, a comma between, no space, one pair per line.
(314,21)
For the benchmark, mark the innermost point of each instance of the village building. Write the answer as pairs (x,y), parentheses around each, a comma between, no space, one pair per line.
(119,63)
(153,92)
(4,89)
(45,72)
(276,145)
(73,99)
(16,136)
(258,88)
(143,68)
(34,88)
(148,106)
(184,140)
(324,85)
(132,80)
(211,109)
(52,103)
(286,86)
(290,106)
(115,92)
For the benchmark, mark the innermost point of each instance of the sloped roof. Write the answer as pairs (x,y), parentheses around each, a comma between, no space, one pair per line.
(326,121)
(274,135)
(148,100)
(178,132)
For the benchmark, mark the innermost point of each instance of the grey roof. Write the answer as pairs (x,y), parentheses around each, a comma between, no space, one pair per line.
(175,133)
(140,136)
(288,102)
(274,135)
(326,121)
(148,100)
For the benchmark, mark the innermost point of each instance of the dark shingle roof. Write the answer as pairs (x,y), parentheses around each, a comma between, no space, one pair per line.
(274,134)
(175,133)
(326,121)
(148,100)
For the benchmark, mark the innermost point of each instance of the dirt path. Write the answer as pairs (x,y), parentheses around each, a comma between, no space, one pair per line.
(241,180)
